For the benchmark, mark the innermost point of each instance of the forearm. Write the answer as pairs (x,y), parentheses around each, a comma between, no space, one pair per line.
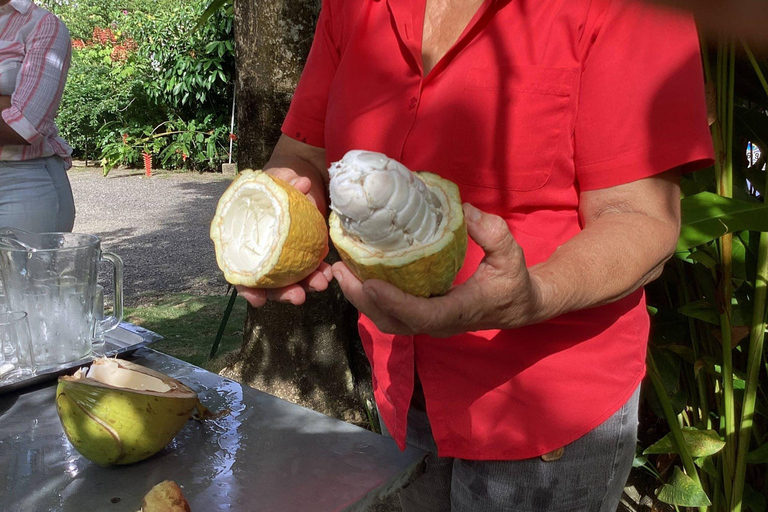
(8,135)
(611,258)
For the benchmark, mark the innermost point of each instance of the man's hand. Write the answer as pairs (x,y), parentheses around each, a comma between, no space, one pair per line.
(501,294)
(317,281)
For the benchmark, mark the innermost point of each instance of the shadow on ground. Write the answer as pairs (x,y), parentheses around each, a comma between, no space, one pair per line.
(174,252)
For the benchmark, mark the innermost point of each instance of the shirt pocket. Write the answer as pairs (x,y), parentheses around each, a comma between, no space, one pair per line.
(509,126)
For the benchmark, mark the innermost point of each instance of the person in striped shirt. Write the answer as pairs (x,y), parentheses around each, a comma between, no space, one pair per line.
(35,51)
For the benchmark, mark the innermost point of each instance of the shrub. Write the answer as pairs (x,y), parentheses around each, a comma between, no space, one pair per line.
(143,78)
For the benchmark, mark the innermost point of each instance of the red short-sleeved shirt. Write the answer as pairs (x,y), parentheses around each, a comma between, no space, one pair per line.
(538,100)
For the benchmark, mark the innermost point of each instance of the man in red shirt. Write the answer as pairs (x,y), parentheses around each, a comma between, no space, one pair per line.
(566,126)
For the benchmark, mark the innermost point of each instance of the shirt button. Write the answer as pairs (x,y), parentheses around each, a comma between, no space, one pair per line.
(412,104)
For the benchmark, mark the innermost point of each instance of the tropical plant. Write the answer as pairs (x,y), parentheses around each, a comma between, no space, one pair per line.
(104,85)
(707,355)
(144,79)
(176,143)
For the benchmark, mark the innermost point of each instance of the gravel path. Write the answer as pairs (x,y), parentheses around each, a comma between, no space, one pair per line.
(158,225)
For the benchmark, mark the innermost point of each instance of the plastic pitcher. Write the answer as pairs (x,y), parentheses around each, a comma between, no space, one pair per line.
(53,277)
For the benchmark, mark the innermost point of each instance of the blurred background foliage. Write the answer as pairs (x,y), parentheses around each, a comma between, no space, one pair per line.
(705,433)
(146,78)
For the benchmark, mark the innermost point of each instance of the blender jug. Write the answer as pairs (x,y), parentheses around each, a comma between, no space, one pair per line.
(53,277)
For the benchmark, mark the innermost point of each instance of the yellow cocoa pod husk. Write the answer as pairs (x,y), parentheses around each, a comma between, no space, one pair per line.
(422,270)
(266,233)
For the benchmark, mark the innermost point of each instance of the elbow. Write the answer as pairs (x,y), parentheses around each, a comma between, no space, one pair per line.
(667,246)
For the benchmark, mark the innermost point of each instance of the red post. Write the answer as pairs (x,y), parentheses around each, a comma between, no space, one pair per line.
(147,164)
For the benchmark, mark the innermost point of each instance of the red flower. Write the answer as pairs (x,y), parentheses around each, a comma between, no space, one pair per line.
(103,35)
(119,54)
(232,137)
(130,45)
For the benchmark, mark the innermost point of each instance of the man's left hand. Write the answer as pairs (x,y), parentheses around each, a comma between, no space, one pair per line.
(501,294)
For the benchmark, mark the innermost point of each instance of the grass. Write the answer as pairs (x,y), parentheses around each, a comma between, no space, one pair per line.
(189,324)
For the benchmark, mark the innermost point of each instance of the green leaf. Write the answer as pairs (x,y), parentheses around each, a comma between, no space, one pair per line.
(758,455)
(738,258)
(681,350)
(706,465)
(707,216)
(754,500)
(704,258)
(689,187)
(668,366)
(699,443)
(209,11)
(682,491)
(702,310)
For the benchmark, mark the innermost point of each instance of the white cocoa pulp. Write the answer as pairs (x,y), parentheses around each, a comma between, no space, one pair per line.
(382,203)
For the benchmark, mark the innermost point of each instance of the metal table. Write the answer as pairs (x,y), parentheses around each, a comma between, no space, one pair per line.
(267,455)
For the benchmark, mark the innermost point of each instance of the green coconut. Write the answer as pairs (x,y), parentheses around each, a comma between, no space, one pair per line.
(118,412)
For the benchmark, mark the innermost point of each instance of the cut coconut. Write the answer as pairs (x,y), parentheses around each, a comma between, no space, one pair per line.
(118,412)
(266,233)
(392,224)
(110,372)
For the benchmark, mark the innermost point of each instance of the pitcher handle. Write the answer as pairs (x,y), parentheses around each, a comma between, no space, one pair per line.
(114,319)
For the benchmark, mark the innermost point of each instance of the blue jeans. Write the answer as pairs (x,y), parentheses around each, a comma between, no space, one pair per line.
(589,477)
(35,196)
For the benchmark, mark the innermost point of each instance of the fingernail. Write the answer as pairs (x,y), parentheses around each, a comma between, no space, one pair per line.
(472,213)
(294,181)
(337,276)
(371,293)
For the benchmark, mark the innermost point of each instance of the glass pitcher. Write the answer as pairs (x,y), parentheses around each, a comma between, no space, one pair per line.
(53,277)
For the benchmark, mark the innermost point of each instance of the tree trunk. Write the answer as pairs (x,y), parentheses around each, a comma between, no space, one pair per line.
(309,354)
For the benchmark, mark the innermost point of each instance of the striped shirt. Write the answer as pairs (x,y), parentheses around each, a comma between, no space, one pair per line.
(35,51)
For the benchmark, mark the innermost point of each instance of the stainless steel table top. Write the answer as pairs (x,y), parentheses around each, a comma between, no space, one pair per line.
(267,455)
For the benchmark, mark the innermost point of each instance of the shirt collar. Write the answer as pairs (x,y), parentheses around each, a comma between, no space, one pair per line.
(21,6)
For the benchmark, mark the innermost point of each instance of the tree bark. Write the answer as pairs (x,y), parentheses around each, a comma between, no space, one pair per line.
(309,354)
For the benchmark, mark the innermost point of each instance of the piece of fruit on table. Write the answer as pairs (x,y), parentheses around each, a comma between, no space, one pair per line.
(118,412)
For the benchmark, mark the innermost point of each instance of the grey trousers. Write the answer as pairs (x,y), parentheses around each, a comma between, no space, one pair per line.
(35,196)
(589,477)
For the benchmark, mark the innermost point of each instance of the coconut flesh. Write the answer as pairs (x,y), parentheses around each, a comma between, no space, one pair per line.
(382,204)
(109,372)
